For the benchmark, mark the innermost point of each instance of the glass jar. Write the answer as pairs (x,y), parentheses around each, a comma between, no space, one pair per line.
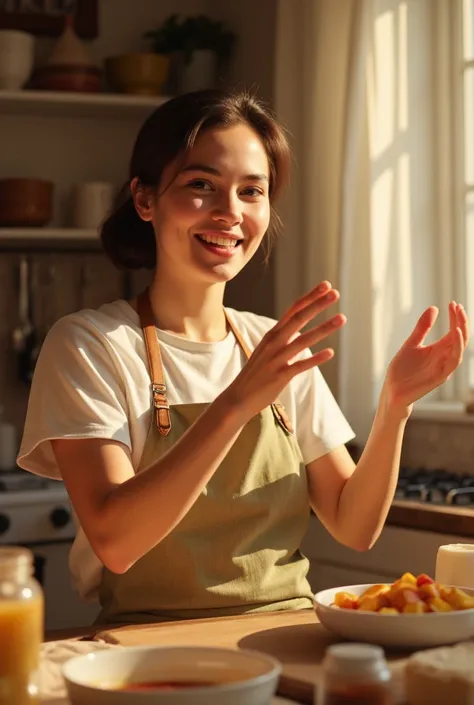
(21,627)
(354,674)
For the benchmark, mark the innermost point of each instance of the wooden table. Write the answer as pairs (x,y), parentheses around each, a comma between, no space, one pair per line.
(295,638)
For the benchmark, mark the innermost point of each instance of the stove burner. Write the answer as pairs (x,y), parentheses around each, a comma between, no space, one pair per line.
(435,487)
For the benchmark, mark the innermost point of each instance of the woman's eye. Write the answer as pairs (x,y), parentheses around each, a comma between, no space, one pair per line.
(252,191)
(200,185)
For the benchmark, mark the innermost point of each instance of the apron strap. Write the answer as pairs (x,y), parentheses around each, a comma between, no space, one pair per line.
(277,407)
(158,387)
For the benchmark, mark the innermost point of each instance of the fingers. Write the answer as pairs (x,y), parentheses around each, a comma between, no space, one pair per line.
(424,325)
(453,316)
(313,336)
(320,290)
(294,322)
(314,361)
(462,323)
(456,352)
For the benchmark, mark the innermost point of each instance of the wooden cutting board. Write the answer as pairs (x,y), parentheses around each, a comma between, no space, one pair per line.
(296,639)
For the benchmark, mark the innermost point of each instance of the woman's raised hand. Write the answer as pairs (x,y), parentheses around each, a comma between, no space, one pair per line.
(275,362)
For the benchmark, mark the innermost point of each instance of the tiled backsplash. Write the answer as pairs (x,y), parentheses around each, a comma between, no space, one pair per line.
(435,444)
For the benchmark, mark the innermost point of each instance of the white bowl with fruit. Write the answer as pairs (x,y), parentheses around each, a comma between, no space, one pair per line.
(412,612)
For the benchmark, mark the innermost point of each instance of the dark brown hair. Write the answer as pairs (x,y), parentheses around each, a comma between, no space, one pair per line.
(171,131)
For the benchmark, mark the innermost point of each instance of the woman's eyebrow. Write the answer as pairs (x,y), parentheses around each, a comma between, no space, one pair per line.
(215,172)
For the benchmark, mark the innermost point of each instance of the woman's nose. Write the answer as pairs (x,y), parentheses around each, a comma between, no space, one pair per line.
(227,209)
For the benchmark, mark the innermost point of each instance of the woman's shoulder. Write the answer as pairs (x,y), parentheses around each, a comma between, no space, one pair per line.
(113,321)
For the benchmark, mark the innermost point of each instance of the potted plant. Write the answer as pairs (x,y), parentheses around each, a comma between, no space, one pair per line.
(201,43)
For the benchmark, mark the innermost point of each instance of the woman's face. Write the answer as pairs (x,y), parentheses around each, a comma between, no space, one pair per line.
(210,219)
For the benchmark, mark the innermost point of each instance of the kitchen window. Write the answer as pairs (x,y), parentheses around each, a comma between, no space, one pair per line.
(453,71)
(464,96)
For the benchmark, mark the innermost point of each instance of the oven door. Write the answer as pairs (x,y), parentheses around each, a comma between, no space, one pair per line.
(63,607)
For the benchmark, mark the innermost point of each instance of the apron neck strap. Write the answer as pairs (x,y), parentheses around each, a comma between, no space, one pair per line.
(158,387)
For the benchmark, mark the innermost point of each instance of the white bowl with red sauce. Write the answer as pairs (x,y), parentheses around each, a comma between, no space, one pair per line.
(171,675)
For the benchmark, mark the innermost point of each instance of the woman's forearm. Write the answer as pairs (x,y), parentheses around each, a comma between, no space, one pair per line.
(367,495)
(142,511)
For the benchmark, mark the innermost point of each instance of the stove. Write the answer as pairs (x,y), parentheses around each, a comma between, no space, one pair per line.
(35,512)
(438,487)
(33,509)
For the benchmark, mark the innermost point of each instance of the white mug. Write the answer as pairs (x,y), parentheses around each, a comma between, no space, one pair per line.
(455,565)
(91,202)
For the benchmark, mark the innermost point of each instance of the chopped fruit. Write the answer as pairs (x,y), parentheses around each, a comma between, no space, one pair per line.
(408,578)
(458,599)
(374,590)
(424,579)
(428,590)
(373,603)
(437,604)
(402,597)
(388,610)
(407,595)
(416,608)
(345,600)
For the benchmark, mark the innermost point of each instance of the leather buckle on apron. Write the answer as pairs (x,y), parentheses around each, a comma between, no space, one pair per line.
(162,408)
(282,417)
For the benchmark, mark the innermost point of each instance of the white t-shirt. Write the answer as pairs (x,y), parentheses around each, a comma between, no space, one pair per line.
(92,381)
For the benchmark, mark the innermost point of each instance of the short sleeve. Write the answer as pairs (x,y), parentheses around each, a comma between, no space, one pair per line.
(320,424)
(76,392)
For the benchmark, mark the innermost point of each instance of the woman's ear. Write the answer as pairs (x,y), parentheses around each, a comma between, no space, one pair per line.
(143,199)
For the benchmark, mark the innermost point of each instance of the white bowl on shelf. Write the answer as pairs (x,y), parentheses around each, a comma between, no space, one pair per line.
(243,677)
(404,631)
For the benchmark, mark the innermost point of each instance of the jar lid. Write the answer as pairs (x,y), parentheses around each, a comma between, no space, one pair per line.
(354,659)
(16,563)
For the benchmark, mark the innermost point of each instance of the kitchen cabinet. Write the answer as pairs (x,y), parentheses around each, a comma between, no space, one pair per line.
(67,138)
(397,550)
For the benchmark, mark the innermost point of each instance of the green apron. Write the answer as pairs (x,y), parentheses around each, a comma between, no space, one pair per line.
(237,550)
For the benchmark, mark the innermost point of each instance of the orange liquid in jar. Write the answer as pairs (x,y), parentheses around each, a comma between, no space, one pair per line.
(21,633)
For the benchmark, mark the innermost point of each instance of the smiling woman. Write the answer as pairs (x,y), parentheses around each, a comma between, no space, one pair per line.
(193,438)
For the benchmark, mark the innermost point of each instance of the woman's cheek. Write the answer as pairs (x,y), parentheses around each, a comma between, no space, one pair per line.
(260,218)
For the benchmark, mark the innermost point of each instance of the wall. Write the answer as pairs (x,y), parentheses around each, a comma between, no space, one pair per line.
(252,68)
(88,149)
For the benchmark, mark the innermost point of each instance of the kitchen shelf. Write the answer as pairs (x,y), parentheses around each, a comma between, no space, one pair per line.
(30,239)
(47,234)
(68,104)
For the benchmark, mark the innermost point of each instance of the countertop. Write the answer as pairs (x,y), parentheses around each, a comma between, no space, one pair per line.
(445,519)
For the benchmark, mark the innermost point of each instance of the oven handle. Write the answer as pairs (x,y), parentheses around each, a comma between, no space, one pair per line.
(39,567)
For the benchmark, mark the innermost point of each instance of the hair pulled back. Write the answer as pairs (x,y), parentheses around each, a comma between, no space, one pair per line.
(170,132)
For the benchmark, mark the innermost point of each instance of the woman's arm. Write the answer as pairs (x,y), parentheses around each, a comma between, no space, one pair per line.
(353,501)
(125,515)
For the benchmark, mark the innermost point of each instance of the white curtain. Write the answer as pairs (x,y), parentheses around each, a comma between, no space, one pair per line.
(360,208)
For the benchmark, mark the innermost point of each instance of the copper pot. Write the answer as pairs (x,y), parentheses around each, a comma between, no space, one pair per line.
(26,202)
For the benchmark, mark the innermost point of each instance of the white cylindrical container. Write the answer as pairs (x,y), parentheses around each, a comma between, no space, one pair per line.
(455,565)
(91,202)
(16,58)
(200,73)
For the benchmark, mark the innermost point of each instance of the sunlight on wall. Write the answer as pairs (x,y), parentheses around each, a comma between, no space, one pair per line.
(401,202)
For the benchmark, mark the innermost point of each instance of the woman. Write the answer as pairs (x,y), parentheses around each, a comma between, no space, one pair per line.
(192,438)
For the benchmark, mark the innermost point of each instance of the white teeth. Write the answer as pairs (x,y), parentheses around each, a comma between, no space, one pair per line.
(223,241)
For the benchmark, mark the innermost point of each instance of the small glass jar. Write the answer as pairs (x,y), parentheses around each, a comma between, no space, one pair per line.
(354,674)
(21,627)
